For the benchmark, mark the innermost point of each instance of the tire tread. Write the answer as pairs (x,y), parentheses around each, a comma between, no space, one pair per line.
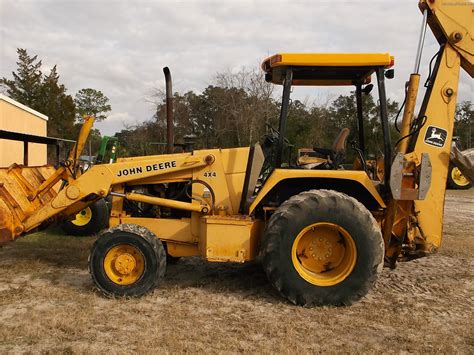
(290,210)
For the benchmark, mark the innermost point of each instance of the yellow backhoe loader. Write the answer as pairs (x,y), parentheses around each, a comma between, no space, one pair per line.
(322,233)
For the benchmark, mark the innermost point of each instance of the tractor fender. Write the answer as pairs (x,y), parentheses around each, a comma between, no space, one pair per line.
(284,183)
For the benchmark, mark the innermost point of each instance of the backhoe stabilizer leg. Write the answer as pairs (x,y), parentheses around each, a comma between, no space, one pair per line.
(410,180)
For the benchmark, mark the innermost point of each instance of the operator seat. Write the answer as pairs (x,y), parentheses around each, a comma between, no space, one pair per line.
(337,153)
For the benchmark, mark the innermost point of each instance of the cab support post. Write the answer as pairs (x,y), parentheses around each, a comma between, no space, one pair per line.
(385,126)
(285,103)
(360,118)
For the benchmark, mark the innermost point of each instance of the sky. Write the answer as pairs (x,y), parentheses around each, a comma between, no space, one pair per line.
(120,47)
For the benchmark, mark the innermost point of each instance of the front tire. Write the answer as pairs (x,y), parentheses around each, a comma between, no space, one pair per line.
(322,247)
(127,260)
(89,221)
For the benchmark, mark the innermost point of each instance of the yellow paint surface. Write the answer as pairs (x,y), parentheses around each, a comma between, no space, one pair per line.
(329,59)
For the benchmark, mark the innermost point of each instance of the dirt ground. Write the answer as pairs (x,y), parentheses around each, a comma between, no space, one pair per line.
(47,304)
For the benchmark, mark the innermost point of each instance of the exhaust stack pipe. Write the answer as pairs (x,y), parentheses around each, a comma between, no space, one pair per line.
(169,112)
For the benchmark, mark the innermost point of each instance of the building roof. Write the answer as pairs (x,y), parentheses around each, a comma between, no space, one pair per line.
(23,107)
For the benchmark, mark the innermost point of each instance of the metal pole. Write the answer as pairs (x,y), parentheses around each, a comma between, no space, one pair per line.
(58,150)
(421,41)
(25,153)
(285,102)
(385,126)
(408,113)
(169,112)
(360,118)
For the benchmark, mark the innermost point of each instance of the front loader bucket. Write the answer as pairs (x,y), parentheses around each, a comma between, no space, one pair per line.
(17,183)
(464,160)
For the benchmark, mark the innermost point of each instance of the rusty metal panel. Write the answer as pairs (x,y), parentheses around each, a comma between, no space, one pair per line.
(17,183)
(410,179)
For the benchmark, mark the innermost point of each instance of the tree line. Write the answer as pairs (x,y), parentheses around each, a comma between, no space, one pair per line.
(237,109)
(46,94)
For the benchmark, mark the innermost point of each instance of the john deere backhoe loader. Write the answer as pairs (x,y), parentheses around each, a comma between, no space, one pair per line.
(322,233)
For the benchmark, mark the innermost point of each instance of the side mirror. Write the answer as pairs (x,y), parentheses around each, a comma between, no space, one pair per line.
(390,73)
(367,89)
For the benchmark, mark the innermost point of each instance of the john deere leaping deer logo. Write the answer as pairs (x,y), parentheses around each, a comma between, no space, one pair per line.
(435,136)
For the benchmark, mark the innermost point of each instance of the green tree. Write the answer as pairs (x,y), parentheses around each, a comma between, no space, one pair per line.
(27,81)
(464,120)
(231,112)
(141,139)
(185,109)
(343,113)
(58,106)
(91,102)
(237,108)
(299,125)
(43,93)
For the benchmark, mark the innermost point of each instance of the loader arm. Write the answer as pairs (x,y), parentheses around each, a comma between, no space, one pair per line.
(98,181)
(19,215)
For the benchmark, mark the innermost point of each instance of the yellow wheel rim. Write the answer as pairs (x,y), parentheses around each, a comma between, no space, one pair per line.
(458,177)
(124,264)
(83,217)
(324,254)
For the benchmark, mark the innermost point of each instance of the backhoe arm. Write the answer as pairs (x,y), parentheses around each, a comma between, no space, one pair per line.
(416,222)
(452,22)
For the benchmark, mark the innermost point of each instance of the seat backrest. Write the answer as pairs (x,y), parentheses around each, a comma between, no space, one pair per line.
(254,167)
(339,144)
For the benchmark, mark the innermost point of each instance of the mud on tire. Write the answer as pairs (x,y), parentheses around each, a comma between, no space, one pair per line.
(331,208)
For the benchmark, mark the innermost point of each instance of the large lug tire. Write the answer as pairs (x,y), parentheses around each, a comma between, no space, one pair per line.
(456,180)
(322,247)
(127,260)
(89,221)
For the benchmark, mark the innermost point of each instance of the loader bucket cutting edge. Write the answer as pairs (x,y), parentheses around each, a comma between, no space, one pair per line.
(464,160)
(16,183)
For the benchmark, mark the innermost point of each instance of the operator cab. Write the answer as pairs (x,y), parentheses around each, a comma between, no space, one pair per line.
(330,69)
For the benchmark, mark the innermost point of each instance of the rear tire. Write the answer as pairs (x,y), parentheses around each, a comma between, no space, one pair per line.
(456,180)
(127,260)
(322,247)
(89,221)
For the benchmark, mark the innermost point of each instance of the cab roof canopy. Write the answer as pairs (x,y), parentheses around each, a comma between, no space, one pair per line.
(325,68)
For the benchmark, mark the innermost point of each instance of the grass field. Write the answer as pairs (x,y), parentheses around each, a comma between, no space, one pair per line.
(47,304)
